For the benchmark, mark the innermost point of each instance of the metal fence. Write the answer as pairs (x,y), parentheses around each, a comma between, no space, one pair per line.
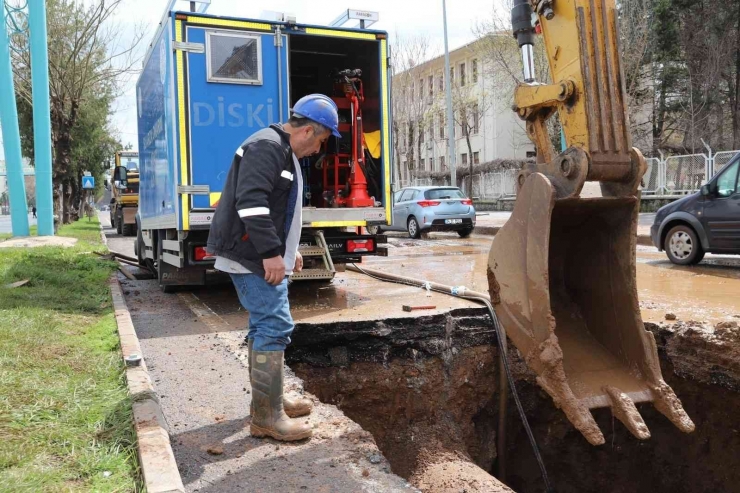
(667,175)
(679,175)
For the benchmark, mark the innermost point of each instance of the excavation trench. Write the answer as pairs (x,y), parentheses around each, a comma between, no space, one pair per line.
(427,389)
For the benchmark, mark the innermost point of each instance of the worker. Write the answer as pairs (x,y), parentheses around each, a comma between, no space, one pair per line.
(254,236)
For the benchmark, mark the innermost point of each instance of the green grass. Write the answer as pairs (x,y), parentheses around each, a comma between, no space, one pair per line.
(65,416)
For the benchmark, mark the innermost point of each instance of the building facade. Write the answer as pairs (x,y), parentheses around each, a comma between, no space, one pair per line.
(485,127)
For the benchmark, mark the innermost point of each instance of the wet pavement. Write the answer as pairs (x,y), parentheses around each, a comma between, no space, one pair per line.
(706,292)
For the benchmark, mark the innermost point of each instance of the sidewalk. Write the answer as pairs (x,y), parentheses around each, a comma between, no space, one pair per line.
(489,223)
(197,362)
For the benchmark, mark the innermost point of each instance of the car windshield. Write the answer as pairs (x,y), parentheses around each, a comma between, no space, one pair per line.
(444,193)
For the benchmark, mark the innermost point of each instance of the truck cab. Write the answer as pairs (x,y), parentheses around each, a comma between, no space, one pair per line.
(125,192)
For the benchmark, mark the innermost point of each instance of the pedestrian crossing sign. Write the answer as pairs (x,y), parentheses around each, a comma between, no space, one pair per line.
(88,182)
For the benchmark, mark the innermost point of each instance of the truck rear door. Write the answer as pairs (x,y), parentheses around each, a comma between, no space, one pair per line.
(236,86)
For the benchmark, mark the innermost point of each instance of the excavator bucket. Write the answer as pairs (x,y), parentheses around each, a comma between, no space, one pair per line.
(562,281)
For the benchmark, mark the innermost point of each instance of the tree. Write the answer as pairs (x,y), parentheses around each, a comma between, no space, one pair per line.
(469,103)
(86,64)
(412,114)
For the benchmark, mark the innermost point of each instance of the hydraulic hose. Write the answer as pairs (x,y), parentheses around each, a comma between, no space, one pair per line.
(507,377)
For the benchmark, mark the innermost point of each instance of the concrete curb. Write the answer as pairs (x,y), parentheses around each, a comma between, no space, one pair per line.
(156,458)
(153,439)
(492,230)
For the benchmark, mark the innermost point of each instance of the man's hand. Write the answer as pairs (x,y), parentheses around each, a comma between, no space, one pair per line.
(274,270)
(298,262)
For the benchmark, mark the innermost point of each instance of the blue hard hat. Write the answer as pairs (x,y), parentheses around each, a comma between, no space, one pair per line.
(320,109)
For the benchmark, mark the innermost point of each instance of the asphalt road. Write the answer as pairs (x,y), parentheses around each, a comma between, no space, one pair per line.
(6,225)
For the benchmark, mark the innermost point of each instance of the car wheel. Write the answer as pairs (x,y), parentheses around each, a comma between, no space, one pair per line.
(373,230)
(682,246)
(464,233)
(413,228)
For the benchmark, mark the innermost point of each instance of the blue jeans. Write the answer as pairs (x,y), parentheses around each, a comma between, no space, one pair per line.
(270,323)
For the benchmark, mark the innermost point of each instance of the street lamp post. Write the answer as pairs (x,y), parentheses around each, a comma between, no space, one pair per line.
(450,115)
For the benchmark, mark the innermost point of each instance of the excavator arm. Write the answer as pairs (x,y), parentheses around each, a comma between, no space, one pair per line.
(561,271)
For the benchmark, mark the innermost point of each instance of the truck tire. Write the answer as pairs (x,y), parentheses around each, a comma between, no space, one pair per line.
(682,246)
(139,247)
(128,229)
(119,224)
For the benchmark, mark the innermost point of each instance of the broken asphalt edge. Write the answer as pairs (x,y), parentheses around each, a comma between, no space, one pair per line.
(156,457)
(493,230)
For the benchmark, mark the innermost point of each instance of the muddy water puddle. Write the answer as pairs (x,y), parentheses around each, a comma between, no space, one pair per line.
(706,292)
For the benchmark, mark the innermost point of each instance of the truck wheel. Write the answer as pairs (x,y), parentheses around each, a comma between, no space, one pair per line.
(119,225)
(128,229)
(682,246)
(139,248)
(413,228)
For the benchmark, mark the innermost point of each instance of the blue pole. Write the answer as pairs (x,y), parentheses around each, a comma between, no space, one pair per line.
(563,147)
(11,136)
(41,116)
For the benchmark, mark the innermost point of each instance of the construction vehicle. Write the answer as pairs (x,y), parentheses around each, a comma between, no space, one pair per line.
(561,271)
(209,83)
(125,193)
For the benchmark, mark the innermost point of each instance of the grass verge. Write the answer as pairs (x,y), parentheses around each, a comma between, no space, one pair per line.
(65,416)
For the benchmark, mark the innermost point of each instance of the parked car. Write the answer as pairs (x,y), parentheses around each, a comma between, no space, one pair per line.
(419,210)
(707,221)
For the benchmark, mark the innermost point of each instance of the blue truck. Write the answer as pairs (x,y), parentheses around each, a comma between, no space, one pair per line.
(207,84)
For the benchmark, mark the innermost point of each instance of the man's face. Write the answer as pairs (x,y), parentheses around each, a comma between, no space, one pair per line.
(306,143)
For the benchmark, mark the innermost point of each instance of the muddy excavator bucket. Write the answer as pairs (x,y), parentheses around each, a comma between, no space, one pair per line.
(562,281)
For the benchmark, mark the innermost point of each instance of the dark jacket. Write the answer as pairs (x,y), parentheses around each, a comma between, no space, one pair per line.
(249,223)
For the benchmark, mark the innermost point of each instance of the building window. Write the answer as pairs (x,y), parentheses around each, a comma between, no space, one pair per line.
(441,83)
(476,118)
(431,86)
(234,58)
(422,164)
(462,74)
(431,163)
(475,71)
(476,158)
(441,126)
(452,76)
(464,158)
(442,162)
(421,135)
(411,134)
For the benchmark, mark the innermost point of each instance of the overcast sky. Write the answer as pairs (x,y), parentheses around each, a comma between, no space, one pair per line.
(396,16)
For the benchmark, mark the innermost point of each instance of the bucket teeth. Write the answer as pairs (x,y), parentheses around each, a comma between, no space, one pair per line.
(624,410)
(667,402)
(554,382)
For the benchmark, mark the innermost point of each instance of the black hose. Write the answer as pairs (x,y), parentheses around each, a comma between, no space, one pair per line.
(505,360)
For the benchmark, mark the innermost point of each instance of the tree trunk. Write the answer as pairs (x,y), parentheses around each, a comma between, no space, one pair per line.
(659,117)
(736,106)
(470,159)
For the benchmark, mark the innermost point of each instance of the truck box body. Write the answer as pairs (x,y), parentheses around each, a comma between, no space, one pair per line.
(209,83)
